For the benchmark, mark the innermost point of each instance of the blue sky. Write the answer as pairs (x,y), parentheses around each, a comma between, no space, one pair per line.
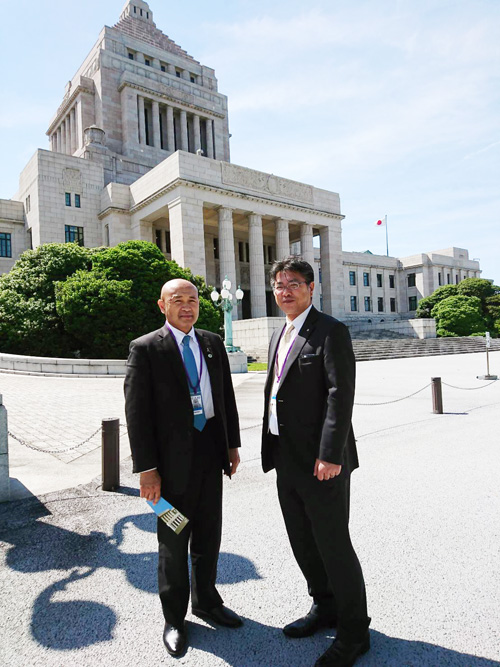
(394,104)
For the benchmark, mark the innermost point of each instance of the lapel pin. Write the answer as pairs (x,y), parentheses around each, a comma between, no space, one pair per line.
(209,355)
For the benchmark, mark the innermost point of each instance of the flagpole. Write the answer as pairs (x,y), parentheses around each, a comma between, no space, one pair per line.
(386,236)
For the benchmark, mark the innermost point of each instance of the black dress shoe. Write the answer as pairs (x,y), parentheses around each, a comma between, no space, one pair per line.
(220,615)
(343,654)
(175,640)
(308,625)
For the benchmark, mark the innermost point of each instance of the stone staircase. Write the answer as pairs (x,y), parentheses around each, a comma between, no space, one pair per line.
(366,350)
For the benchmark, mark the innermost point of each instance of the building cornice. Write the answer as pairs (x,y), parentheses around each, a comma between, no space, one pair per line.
(67,104)
(163,97)
(231,193)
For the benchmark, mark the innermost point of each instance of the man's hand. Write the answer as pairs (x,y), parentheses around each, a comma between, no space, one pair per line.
(324,470)
(234,459)
(150,483)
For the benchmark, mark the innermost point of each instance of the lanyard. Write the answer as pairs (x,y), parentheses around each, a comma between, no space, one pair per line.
(195,387)
(276,365)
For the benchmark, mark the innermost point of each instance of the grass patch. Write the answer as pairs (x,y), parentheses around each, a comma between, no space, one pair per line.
(257,366)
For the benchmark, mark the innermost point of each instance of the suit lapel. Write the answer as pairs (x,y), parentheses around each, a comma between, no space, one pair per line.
(170,346)
(211,359)
(300,341)
(273,346)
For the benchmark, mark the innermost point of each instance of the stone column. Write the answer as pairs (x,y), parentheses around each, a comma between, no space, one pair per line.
(307,253)
(156,124)
(332,269)
(257,274)
(227,260)
(187,237)
(62,130)
(184,131)
(130,118)
(68,135)
(142,121)
(170,129)
(73,130)
(282,238)
(53,142)
(4,455)
(197,135)
(79,124)
(58,140)
(210,138)
(170,69)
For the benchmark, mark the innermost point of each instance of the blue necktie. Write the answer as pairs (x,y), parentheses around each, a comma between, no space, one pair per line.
(194,382)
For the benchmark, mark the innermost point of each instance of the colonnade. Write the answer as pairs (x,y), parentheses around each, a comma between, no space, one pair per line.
(67,138)
(148,122)
(258,278)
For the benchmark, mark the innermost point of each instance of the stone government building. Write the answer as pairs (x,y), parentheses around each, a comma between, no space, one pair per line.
(139,149)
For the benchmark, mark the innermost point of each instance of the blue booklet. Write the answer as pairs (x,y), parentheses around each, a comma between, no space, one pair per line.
(167,513)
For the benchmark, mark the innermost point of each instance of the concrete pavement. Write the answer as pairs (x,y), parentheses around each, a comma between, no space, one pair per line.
(78,582)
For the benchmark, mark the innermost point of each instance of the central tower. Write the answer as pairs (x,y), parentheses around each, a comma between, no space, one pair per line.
(148,95)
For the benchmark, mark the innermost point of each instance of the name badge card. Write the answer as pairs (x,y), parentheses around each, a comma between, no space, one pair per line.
(197,404)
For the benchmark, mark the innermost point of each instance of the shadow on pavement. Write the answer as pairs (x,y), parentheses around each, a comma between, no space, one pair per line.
(258,645)
(69,624)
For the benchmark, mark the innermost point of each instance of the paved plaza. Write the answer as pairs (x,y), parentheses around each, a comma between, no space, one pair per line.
(78,575)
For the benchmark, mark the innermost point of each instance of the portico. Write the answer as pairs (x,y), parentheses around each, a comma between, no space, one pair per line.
(221,219)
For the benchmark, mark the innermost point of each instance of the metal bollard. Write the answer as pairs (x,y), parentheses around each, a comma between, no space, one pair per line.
(437,396)
(110,454)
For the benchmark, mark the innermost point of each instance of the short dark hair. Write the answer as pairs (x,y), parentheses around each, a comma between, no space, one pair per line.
(292,263)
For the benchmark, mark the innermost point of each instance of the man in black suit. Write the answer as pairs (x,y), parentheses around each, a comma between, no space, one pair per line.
(308,437)
(183,430)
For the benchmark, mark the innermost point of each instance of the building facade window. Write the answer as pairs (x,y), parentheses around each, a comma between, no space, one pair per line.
(216,248)
(163,68)
(73,234)
(412,280)
(379,280)
(177,74)
(440,278)
(168,246)
(366,279)
(354,303)
(131,56)
(380,304)
(368,304)
(67,198)
(78,201)
(391,281)
(393,305)
(241,251)
(412,303)
(448,278)
(5,244)
(28,203)
(352,277)
(456,279)
(158,238)
(147,62)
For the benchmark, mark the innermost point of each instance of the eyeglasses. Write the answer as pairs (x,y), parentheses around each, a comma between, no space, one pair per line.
(293,285)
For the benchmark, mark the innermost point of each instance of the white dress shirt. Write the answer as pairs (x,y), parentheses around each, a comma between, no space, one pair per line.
(298,323)
(205,386)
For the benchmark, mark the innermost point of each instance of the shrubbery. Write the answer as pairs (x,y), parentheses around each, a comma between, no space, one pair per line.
(469,308)
(62,300)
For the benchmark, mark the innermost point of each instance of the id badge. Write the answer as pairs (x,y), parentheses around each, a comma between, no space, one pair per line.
(197,404)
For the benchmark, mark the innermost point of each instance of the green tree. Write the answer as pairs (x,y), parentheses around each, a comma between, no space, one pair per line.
(426,304)
(477,287)
(62,299)
(459,316)
(29,323)
(99,314)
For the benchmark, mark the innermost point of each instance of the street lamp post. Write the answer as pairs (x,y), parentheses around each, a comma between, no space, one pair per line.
(226,303)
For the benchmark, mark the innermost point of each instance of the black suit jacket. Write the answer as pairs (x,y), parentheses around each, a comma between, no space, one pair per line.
(315,396)
(159,410)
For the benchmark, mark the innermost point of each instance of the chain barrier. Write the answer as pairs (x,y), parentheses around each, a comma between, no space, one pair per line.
(468,388)
(396,400)
(53,451)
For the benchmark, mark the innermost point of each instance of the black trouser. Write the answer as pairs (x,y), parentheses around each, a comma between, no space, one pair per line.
(202,504)
(316,516)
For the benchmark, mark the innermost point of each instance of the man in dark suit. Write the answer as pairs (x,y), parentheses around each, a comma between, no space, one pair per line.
(308,437)
(183,430)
